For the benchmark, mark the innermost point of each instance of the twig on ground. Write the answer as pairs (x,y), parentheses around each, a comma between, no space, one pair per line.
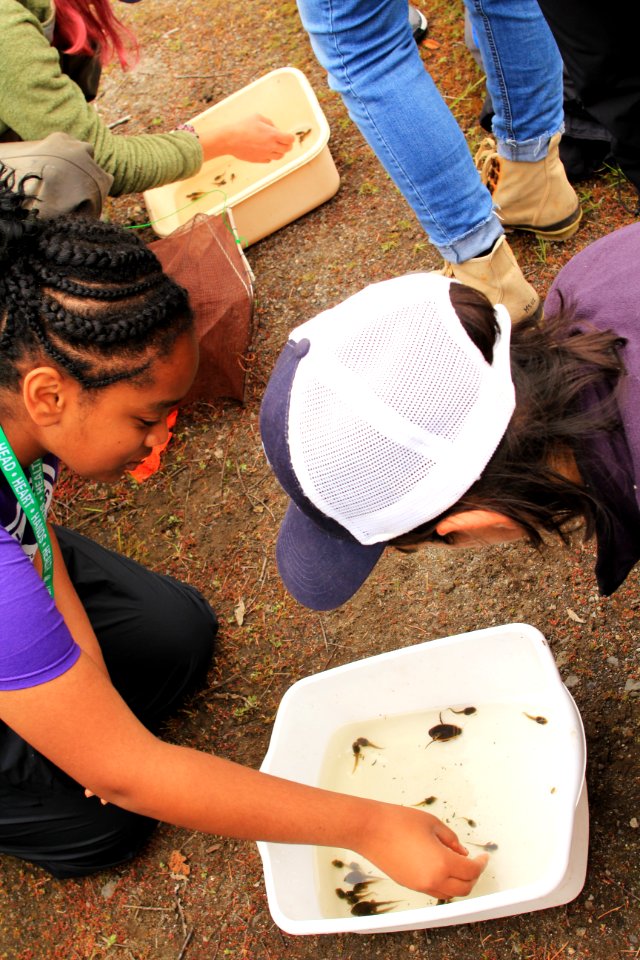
(607,912)
(117,123)
(250,498)
(559,951)
(261,579)
(324,635)
(138,906)
(179,910)
(187,941)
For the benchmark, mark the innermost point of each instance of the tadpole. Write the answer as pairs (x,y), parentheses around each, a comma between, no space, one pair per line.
(427,800)
(471,823)
(356,875)
(361,885)
(540,720)
(443,732)
(489,847)
(367,908)
(467,711)
(357,746)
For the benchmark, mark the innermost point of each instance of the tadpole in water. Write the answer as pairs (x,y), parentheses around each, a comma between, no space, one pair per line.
(471,823)
(443,732)
(195,195)
(426,802)
(468,711)
(489,847)
(357,747)
(362,885)
(356,875)
(337,863)
(367,908)
(302,134)
(541,720)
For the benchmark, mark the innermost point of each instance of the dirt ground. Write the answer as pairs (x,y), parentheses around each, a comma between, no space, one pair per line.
(211,515)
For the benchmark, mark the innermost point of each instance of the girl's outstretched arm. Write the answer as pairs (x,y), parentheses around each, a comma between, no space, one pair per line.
(254,138)
(80,723)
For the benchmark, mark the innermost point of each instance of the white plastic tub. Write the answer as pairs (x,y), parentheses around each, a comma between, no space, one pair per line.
(509,666)
(263,196)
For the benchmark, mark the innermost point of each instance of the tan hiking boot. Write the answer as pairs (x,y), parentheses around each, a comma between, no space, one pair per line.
(531,196)
(499,277)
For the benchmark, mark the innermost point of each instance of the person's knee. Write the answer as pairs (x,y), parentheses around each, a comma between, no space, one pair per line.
(57,828)
(192,620)
(120,842)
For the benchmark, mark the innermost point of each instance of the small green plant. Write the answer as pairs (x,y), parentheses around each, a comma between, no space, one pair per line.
(249,704)
(541,250)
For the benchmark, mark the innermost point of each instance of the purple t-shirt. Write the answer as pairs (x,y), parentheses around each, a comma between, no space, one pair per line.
(35,644)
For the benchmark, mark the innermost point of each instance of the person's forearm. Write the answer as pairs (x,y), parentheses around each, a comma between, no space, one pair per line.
(208,793)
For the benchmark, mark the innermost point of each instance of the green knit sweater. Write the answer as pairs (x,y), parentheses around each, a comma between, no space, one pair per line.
(37,99)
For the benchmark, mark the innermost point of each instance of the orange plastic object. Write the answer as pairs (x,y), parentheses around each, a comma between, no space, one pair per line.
(152,463)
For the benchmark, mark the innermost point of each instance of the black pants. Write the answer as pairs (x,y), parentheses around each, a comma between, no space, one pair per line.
(156,636)
(599,48)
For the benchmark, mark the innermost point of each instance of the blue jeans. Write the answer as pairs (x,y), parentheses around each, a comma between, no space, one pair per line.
(368,50)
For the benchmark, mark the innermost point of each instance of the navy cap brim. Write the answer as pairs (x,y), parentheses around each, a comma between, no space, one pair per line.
(321,571)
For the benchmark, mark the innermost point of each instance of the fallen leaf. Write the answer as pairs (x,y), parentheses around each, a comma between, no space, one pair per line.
(430,44)
(239,612)
(574,616)
(178,864)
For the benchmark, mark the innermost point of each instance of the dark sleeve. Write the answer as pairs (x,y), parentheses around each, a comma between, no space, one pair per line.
(35,644)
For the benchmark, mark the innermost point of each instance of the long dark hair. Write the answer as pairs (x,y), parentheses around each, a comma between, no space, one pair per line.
(88,295)
(552,370)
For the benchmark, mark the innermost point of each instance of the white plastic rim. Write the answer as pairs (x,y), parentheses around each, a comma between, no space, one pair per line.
(300,697)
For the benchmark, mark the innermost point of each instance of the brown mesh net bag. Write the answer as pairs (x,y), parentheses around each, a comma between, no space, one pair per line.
(204,258)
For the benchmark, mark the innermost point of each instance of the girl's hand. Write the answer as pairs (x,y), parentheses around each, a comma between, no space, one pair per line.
(253,138)
(418,851)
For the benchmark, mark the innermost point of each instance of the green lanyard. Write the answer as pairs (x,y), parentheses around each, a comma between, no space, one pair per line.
(32,500)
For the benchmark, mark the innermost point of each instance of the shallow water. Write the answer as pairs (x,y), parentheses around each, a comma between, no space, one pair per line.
(497,783)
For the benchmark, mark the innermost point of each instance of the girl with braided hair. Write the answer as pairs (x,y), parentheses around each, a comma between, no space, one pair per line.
(96,345)
(50,60)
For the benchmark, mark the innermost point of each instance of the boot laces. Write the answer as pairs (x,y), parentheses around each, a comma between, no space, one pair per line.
(487,163)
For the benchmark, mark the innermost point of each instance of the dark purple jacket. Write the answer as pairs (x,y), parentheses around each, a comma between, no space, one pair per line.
(600,287)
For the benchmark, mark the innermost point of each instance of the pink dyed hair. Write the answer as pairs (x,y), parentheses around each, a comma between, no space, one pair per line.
(87,26)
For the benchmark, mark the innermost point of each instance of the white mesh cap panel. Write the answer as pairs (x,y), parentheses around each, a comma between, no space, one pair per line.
(394,412)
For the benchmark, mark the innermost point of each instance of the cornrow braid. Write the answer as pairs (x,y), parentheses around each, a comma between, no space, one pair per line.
(79,289)
(89,295)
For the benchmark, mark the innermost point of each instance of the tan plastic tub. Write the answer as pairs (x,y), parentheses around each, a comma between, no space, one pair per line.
(263,196)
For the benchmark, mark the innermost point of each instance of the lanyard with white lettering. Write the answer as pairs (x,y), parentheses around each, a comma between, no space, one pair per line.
(32,500)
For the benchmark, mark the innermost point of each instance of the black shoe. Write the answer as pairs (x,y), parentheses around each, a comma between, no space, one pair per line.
(418,23)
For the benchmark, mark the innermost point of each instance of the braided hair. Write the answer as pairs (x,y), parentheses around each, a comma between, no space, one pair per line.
(88,295)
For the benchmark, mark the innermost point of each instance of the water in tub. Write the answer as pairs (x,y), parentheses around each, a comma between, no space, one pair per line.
(487,772)
(222,178)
